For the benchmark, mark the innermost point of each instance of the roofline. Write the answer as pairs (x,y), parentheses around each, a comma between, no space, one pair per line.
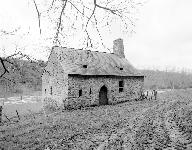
(105,75)
(124,60)
(76,49)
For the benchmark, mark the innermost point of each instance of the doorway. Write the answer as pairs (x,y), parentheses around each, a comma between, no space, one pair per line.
(103,100)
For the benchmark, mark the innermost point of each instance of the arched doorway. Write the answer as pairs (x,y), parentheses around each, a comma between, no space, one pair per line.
(103,100)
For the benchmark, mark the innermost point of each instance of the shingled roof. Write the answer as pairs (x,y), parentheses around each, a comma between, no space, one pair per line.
(86,62)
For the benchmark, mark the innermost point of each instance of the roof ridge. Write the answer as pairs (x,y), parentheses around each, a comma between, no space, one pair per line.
(81,49)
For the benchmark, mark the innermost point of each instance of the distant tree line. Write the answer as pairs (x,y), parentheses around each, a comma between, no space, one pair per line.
(156,79)
(23,75)
(27,75)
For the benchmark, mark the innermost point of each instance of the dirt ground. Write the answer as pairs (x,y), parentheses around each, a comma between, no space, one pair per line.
(165,123)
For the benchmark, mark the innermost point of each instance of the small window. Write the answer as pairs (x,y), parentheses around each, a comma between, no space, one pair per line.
(121,86)
(80,93)
(90,91)
(84,66)
(121,68)
(120,90)
(51,90)
(45,91)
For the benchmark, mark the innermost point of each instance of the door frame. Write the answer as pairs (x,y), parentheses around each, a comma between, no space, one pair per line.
(107,100)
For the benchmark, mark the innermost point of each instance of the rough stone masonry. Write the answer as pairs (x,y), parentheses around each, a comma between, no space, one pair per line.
(76,78)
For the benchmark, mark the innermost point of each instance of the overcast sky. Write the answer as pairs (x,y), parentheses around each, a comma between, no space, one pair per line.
(163,33)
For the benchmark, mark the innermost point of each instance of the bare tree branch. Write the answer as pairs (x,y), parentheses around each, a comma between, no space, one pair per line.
(51,6)
(3,32)
(105,8)
(100,35)
(88,39)
(38,15)
(60,20)
(9,80)
(15,54)
(71,20)
(8,60)
(5,69)
(91,14)
(52,3)
(77,9)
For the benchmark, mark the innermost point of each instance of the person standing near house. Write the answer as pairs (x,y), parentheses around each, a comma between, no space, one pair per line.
(155,94)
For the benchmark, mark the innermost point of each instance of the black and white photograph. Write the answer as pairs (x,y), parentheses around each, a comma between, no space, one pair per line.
(96,75)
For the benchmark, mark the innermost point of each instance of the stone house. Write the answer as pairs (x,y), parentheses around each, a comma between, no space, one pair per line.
(74,78)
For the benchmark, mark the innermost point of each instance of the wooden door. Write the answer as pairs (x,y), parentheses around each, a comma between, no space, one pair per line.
(103,100)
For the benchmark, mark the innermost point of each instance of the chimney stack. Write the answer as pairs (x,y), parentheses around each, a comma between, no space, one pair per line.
(118,48)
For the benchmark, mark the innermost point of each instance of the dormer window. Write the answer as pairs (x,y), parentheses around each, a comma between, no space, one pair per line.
(84,66)
(121,68)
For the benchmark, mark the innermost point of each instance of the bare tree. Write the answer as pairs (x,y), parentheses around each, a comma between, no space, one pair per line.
(4,60)
(8,63)
(88,19)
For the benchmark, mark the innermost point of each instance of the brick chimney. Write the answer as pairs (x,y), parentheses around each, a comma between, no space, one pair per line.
(118,48)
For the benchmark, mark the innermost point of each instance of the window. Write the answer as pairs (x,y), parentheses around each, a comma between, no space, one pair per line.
(90,91)
(120,90)
(51,90)
(121,68)
(45,91)
(84,66)
(121,85)
(80,93)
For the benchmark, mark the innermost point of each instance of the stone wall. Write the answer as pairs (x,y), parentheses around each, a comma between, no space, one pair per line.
(61,88)
(132,89)
(54,83)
